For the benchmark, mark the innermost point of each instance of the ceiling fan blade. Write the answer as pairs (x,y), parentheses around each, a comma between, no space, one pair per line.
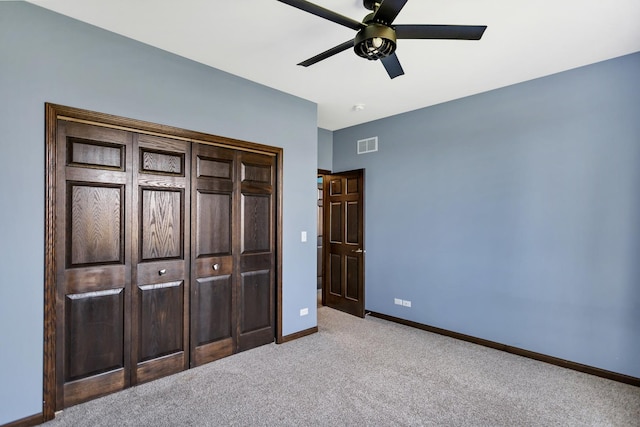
(392,65)
(326,54)
(388,11)
(325,13)
(455,32)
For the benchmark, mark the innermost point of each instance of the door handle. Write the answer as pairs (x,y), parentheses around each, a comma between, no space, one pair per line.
(162,272)
(358,251)
(216,267)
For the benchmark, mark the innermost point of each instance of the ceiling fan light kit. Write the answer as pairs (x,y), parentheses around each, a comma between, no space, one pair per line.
(376,37)
(375,41)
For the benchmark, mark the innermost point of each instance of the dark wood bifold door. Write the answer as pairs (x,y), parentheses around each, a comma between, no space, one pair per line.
(94,212)
(233,252)
(161,253)
(160,256)
(167,259)
(212,295)
(256,250)
(343,287)
(123,264)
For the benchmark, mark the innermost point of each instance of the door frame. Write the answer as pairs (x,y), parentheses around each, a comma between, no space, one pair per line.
(53,113)
(322,173)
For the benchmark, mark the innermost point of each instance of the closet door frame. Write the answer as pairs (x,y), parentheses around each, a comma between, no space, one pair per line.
(53,113)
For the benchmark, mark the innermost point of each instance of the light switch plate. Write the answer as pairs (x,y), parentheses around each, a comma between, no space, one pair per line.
(303,236)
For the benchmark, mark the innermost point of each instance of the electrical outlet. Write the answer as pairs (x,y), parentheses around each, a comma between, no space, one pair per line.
(397,301)
(406,303)
(304,311)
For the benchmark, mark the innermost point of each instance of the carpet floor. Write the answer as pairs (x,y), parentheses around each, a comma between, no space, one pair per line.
(367,372)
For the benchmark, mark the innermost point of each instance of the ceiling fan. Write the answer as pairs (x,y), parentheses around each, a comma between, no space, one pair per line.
(376,37)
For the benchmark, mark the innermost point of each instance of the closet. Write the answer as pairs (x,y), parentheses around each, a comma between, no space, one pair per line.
(165,255)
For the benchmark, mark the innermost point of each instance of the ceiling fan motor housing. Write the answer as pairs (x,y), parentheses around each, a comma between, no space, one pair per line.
(375,41)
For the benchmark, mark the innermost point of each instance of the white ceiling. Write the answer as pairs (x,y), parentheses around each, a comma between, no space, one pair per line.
(263,40)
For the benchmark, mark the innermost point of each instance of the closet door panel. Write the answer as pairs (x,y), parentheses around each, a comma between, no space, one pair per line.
(256,218)
(213,228)
(213,316)
(161,224)
(96,214)
(214,301)
(160,326)
(93,214)
(94,327)
(255,291)
(160,317)
(255,248)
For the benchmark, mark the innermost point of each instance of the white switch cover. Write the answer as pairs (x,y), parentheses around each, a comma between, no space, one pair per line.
(303,236)
(406,303)
(304,311)
(397,301)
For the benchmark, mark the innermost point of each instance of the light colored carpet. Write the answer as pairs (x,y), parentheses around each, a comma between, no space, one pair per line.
(367,372)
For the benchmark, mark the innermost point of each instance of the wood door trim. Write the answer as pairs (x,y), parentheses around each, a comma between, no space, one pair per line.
(49,362)
(180,134)
(322,173)
(53,112)
(278,262)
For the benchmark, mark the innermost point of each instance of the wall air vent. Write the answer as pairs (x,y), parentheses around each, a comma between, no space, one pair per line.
(368,145)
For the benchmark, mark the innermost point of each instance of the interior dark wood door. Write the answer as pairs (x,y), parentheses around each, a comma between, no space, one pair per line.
(255,246)
(213,314)
(93,263)
(160,257)
(344,242)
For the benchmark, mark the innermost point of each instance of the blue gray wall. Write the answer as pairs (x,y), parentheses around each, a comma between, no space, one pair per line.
(513,215)
(45,57)
(325,149)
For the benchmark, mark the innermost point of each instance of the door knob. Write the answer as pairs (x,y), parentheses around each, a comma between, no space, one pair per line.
(216,267)
(359,251)
(162,272)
